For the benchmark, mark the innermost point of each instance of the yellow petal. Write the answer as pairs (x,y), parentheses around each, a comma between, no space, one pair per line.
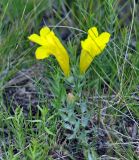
(85,61)
(93,33)
(44,32)
(50,38)
(101,41)
(37,39)
(87,44)
(97,45)
(42,53)
(91,46)
(104,37)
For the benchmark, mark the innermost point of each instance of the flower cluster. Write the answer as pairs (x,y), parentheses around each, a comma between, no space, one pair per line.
(51,45)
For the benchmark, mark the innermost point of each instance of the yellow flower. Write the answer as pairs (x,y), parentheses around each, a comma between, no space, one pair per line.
(92,46)
(51,45)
